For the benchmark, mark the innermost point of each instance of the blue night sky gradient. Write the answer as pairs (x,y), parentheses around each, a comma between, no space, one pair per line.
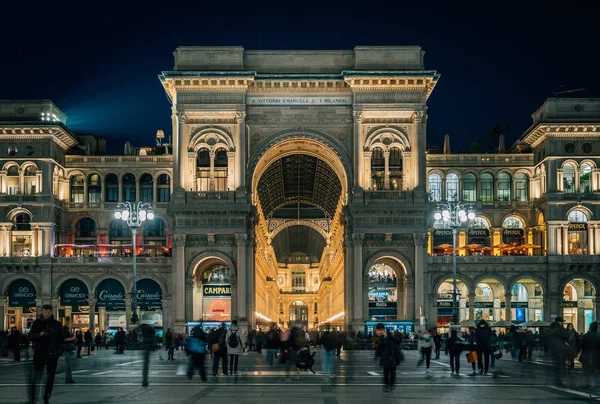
(498,65)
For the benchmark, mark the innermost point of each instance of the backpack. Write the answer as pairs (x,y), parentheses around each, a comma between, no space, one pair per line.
(233,340)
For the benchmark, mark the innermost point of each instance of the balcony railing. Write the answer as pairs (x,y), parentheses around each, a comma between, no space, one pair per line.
(209,196)
(451,160)
(483,259)
(387,195)
(112,260)
(92,161)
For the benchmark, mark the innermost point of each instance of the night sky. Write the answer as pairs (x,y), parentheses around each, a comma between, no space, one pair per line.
(497,66)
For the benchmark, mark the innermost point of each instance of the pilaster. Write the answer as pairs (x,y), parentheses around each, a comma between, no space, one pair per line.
(357,296)
(178,282)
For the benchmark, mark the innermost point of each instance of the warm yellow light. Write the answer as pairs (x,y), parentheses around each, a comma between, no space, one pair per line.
(262,316)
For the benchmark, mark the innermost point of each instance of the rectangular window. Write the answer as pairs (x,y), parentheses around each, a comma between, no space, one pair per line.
(129,194)
(503,191)
(94,197)
(146,194)
(30,187)
(112,195)
(469,191)
(77,196)
(487,191)
(21,246)
(521,190)
(164,194)
(13,190)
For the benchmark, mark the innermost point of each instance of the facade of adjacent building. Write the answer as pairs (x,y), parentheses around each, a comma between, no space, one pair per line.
(298,188)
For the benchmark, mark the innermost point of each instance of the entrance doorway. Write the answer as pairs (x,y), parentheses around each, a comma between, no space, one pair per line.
(299,313)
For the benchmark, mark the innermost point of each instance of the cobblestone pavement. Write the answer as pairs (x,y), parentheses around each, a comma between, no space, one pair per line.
(108,378)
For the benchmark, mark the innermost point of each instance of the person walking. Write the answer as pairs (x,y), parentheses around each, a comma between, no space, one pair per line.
(219,349)
(87,337)
(483,333)
(389,354)
(148,339)
(197,346)
(425,346)
(234,346)
(68,350)
(328,341)
(271,345)
(590,355)
(437,339)
(47,335)
(454,346)
(170,347)
(98,340)
(557,339)
(14,343)
(572,350)
(79,340)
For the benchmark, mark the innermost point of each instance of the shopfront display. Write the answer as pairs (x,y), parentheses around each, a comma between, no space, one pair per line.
(22,305)
(383,293)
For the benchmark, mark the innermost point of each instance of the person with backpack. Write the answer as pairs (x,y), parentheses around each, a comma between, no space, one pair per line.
(219,349)
(425,347)
(390,356)
(454,346)
(234,346)
(197,346)
(272,343)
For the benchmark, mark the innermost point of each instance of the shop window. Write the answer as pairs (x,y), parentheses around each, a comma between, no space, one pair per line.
(21,245)
(395,167)
(377,169)
(217,273)
(513,231)
(578,232)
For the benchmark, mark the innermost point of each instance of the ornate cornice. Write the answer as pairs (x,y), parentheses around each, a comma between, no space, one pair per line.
(57,134)
(541,131)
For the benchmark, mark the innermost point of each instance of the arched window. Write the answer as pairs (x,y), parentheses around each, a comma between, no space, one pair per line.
(129,188)
(585,178)
(578,232)
(154,228)
(12,171)
(395,167)
(435,187)
(85,228)
(146,191)
(155,240)
(469,188)
(217,273)
(513,232)
(111,182)
(118,230)
(503,187)
(452,187)
(163,188)
(77,183)
(12,180)
(522,187)
(21,222)
(203,170)
(487,188)
(30,178)
(569,178)
(94,190)
(220,172)
(478,234)
(377,168)
(577,216)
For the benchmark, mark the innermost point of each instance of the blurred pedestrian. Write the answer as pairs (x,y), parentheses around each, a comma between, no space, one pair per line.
(483,334)
(68,350)
(47,335)
(557,339)
(170,347)
(425,347)
(454,347)
(271,344)
(98,340)
(328,341)
(390,356)
(79,341)
(197,347)
(148,341)
(234,346)
(219,349)
(87,337)
(590,356)
(14,343)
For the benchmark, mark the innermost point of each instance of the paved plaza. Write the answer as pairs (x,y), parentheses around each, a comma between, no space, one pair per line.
(108,378)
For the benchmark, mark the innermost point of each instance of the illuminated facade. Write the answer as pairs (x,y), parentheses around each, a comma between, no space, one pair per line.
(296,189)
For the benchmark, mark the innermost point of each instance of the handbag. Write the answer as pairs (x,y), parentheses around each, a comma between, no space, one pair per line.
(472,357)
(497,353)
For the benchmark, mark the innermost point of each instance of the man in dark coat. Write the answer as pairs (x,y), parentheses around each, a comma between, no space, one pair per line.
(14,343)
(170,345)
(219,348)
(557,339)
(483,333)
(47,336)
(388,352)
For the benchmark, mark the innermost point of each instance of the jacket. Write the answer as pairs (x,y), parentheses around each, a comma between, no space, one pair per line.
(426,341)
(388,351)
(483,335)
(590,351)
(455,345)
(51,343)
(235,332)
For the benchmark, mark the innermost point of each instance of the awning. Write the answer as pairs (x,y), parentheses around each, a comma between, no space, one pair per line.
(73,292)
(149,294)
(21,293)
(110,294)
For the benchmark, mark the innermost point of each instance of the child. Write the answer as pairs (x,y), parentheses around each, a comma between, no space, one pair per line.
(305,360)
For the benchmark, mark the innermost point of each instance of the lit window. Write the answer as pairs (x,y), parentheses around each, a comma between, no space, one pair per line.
(435,187)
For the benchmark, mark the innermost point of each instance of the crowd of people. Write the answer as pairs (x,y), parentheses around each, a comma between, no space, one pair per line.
(295,348)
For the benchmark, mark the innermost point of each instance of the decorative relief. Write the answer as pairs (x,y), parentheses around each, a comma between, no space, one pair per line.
(320,117)
(387,97)
(209,98)
(179,240)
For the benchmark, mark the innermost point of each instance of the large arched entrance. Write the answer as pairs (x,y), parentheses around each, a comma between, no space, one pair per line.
(299,187)
(579,301)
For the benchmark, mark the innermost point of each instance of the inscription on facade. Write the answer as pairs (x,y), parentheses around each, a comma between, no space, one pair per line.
(337,100)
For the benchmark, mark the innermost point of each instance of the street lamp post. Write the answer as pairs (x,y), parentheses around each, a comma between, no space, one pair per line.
(453,215)
(134,215)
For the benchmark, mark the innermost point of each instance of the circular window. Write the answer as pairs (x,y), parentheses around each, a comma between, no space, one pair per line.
(586,148)
(578,108)
(12,150)
(29,150)
(570,148)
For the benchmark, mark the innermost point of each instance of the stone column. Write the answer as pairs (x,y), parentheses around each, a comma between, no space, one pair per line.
(250,281)
(419,269)
(400,293)
(565,239)
(102,192)
(120,189)
(34,241)
(591,239)
(179,150)
(178,282)
(165,316)
(234,299)
(386,170)
(38,306)
(472,306)
(154,190)
(241,241)
(137,189)
(240,153)
(3,313)
(54,303)
(189,300)
(418,147)
(231,171)
(357,296)
(85,192)
(409,299)
(367,181)
(365,300)
(127,312)
(348,281)
(211,185)
(508,300)
(358,146)
(92,313)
